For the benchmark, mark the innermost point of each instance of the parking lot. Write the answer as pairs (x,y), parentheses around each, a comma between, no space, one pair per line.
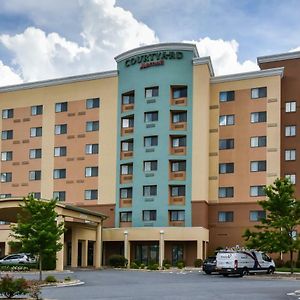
(123,284)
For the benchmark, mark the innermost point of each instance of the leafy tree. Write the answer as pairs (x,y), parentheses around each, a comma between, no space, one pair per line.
(277,231)
(37,229)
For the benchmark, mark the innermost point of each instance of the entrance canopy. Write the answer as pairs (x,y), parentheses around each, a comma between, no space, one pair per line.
(11,207)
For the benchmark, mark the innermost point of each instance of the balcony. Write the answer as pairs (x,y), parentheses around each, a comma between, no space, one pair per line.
(176,223)
(176,200)
(178,150)
(127,107)
(125,224)
(179,175)
(125,202)
(126,154)
(177,169)
(178,120)
(179,95)
(126,178)
(127,130)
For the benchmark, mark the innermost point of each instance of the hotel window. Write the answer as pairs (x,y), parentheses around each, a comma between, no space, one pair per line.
(7,135)
(92,149)
(7,113)
(178,166)
(258,166)
(258,141)
(225,168)
(179,117)
(92,126)
(177,190)
(226,96)
(6,177)
(126,216)
(60,151)
(257,191)
(260,92)
(225,216)
(149,215)
(290,154)
(177,215)
(226,192)
(291,177)
(61,107)
(226,120)
(59,195)
(151,116)
(226,144)
(128,98)
(59,173)
(179,92)
(6,156)
(126,193)
(3,196)
(151,92)
(36,110)
(35,175)
(150,165)
(92,103)
(127,146)
(91,171)
(35,153)
(61,129)
(290,130)
(128,122)
(127,169)
(257,215)
(151,141)
(149,190)
(179,142)
(36,195)
(258,117)
(35,131)
(91,194)
(290,106)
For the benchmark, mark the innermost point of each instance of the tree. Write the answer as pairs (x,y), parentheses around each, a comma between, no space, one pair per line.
(37,229)
(277,231)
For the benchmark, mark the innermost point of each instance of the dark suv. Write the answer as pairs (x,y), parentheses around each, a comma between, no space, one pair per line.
(210,264)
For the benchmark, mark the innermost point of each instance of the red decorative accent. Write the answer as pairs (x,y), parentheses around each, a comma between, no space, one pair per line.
(152,64)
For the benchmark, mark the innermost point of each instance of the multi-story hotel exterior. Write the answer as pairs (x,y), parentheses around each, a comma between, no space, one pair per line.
(175,156)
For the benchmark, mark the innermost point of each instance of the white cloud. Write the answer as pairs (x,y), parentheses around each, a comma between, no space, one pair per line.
(107,30)
(8,76)
(295,49)
(224,56)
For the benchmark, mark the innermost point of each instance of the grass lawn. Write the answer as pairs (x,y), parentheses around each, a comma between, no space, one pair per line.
(284,269)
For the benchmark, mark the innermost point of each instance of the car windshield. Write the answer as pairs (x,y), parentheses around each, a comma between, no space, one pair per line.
(211,259)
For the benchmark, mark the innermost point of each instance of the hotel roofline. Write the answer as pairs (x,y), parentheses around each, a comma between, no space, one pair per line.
(59,81)
(278,57)
(158,47)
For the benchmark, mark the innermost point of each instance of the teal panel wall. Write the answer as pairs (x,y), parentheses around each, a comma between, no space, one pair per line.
(173,72)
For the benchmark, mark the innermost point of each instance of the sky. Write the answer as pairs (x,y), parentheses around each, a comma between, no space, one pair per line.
(44,39)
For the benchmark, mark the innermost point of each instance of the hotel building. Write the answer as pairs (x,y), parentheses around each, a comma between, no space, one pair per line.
(175,156)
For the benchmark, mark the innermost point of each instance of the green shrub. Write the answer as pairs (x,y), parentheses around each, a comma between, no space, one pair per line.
(298,264)
(142,266)
(180,264)
(198,262)
(137,262)
(16,267)
(50,279)
(68,278)
(153,267)
(10,287)
(167,266)
(166,262)
(117,261)
(133,265)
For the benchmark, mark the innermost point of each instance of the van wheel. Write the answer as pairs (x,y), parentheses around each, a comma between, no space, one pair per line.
(225,275)
(244,272)
(271,270)
(207,272)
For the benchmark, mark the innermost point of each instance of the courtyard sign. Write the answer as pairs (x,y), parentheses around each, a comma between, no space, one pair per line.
(153,59)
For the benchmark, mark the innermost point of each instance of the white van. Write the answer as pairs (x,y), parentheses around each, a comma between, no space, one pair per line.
(243,262)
